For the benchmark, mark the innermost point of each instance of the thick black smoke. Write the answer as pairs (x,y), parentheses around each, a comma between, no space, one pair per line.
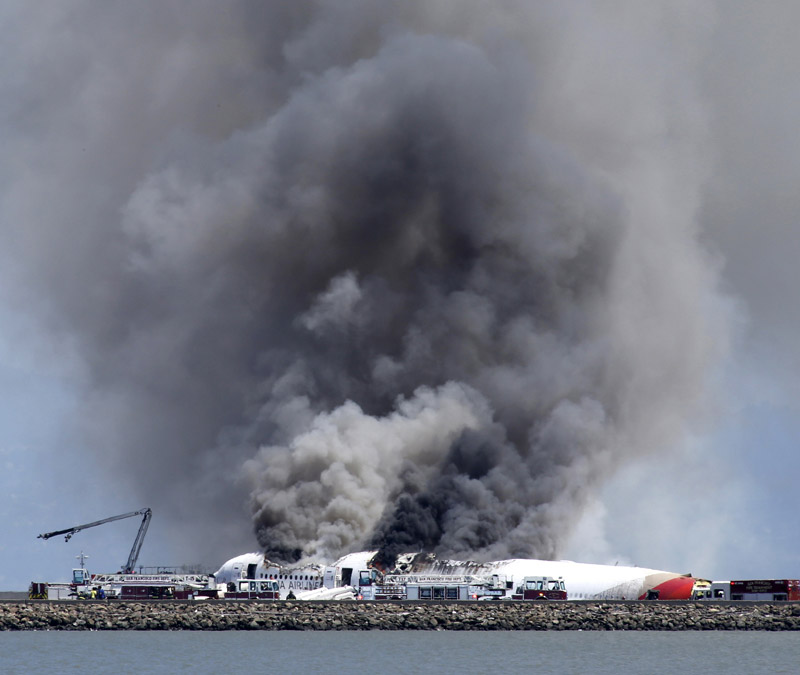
(381,269)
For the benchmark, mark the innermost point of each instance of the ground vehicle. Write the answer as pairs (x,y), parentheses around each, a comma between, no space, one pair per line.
(155,592)
(441,590)
(540,588)
(766,589)
(124,584)
(374,586)
(251,589)
(773,590)
(445,589)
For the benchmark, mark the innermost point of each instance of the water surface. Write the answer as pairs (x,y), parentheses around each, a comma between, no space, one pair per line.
(400,652)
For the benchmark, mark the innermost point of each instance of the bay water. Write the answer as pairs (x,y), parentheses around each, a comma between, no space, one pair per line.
(398,652)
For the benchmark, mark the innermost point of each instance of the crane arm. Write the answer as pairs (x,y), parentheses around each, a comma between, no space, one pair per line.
(74,530)
(137,543)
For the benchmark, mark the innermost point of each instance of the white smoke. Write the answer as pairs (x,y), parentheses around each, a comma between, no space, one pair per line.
(326,491)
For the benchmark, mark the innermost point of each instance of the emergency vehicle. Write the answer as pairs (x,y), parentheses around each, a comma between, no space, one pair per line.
(540,588)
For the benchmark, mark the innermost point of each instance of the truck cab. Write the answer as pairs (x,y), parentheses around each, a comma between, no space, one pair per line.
(372,586)
(80,576)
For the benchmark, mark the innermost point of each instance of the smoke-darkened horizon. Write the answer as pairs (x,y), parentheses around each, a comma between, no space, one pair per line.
(407,277)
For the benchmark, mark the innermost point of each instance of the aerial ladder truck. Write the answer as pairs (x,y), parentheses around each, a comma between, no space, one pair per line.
(126,583)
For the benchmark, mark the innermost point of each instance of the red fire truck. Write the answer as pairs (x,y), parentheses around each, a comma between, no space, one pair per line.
(540,588)
(772,590)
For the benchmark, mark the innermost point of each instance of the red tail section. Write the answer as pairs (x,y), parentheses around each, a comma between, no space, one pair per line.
(679,588)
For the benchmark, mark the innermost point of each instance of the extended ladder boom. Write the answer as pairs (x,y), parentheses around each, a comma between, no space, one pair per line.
(137,543)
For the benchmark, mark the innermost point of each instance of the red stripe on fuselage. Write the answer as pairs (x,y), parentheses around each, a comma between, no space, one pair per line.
(679,588)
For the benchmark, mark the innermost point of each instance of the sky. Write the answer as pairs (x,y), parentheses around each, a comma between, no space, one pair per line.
(507,280)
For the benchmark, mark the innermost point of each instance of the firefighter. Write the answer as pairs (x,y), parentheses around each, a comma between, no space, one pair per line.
(290,595)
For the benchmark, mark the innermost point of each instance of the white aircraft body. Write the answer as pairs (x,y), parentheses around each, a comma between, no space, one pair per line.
(255,566)
(583,581)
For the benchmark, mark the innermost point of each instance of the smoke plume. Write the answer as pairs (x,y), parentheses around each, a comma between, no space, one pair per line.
(404,275)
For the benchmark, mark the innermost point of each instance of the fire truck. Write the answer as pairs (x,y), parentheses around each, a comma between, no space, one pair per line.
(375,586)
(771,590)
(155,592)
(127,584)
(250,589)
(540,588)
(451,589)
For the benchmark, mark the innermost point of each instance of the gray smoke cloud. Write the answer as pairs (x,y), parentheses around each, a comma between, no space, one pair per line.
(415,276)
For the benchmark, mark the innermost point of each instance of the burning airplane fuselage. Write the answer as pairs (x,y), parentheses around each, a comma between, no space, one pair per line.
(583,581)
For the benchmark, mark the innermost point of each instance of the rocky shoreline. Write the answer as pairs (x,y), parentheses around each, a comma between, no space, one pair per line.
(261,615)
